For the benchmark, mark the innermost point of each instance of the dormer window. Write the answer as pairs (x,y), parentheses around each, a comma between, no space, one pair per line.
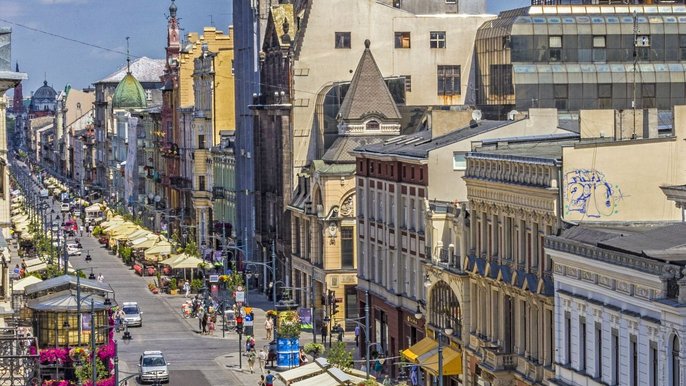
(372,125)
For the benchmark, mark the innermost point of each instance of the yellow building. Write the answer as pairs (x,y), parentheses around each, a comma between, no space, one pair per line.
(213,112)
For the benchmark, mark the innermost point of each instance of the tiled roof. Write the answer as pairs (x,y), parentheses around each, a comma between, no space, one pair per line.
(145,70)
(368,92)
(343,145)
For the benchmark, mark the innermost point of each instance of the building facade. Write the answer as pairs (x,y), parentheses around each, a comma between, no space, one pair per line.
(574,56)
(619,295)
(146,71)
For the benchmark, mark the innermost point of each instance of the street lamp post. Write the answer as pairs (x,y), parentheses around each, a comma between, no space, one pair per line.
(366,329)
(446,331)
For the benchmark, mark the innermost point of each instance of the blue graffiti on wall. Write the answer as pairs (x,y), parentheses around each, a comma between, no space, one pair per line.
(588,192)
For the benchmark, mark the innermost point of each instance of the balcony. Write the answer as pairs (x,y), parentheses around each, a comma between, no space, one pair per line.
(497,361)
(218,193)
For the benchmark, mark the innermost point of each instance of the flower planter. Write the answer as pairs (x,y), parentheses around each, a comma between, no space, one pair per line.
(138,269)
(287,353)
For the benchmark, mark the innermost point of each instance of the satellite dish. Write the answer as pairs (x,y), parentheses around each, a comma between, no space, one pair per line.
(512,114)
(476,115)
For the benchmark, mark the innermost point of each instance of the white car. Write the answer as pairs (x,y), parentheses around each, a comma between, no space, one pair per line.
(153,367)
(73,249)
(133,316)
(65,207)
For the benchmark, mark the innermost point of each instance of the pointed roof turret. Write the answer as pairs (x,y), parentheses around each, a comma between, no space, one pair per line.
(368,106)
(172,9)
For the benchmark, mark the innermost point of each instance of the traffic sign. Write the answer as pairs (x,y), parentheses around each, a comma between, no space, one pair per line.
(240,296)
(214,278)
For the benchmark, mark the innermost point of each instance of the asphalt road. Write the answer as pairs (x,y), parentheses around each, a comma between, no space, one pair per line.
(191,356)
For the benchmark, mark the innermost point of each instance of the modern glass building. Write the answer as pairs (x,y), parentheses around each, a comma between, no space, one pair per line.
(576,56)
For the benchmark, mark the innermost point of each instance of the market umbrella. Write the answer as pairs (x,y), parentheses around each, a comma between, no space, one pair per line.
(163,248)
(131,234)
(184,261)
(146,242)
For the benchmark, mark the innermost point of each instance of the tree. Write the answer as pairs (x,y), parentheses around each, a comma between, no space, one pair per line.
(339,356)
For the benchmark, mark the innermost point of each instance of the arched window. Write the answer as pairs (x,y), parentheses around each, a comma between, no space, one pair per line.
(676,364)
(445,308)
(373,125)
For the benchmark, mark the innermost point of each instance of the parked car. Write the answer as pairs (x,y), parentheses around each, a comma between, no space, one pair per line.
(153,367)
(133,316)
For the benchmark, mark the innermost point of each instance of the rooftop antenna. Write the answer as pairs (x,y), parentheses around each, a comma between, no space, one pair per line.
(633,98)
(211,20)
(128,56)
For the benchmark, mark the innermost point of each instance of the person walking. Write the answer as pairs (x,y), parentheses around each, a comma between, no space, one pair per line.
(211,322)
(269,378)
(251,360)
(323,332)
(200,313)
(262,357)
(187,288)
(101,278)
(261,381)
(268,327)
(205,317)
(357,336)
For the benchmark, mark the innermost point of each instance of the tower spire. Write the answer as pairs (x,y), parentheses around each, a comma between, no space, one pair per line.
(128,56)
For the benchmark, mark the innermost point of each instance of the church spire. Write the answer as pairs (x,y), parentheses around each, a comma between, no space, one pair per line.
(128,57)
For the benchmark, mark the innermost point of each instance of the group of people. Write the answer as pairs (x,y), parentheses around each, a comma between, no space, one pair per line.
(261,357)
(206,320)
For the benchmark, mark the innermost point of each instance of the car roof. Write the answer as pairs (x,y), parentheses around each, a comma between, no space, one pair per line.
(154,352)
(129,304)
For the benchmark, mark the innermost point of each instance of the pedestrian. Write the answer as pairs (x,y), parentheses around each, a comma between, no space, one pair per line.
(205,317)
(200,313)
(339,329)
(187,288)
(378,367)
(262,356)
(268,327)
(323,331)
(16,270)
(261,381)
(210,324)
(357,336)
(252,343)
(101,278)
(269,379)
(386,381)
(251,360)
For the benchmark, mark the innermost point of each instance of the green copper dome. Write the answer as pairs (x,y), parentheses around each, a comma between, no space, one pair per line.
(129,94)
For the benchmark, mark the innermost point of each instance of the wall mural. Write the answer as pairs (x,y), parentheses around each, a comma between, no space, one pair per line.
(588,192)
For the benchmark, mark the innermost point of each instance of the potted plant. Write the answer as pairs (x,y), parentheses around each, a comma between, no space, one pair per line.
(153,288)
(196,284)
(173,287)
(314,349)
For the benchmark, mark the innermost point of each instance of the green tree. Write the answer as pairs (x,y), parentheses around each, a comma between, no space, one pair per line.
(339,356)
(191,249)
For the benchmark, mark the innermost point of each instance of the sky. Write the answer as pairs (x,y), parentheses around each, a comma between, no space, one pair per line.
(79,42)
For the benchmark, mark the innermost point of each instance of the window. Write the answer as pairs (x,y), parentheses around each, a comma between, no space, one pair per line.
(342,40)
(615,356)
(582,344)
(568,338)
(445,308)
(599,41)
(642,41)
(347,247)
(653,363)
(459,160)
(682,46)
(402,40)
(201,183)
(501,79)
(555,44)
(598,350)
(675,362)
(605,96)
(408,83)
(449,80)
(201,141)
(560,94)
(372,125)
(634,361)
(437,39)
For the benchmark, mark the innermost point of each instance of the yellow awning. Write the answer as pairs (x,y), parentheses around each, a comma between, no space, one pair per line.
(420,348)
(452,362)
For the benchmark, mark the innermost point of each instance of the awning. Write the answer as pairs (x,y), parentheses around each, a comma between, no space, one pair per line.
(307,371)
(37,268)
(182,261)
(452,362)
(131,234)
(19,285)
(145,242)
(162,248)
(420,348)
(95,208)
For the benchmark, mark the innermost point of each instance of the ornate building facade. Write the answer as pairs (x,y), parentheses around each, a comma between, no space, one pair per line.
(514,205)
